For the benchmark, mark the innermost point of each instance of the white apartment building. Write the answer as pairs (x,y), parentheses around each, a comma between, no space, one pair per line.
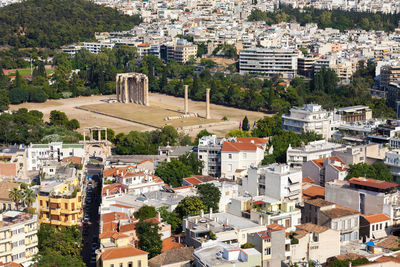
(277,181)
(209,151)
(36,154)
(296,156)
(138,182)
(269,61)
(18,239)
(239,156)
(309,118)
(93,48)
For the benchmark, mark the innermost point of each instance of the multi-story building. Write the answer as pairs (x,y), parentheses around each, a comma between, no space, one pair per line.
(354,113)
(325,170)
(240,154)
(6,203)
(305,66)
(139,182)
(225,255)
(392,160)
(226,227)
(60,202)
(369,153)
(36,154)
(18,239)
(309,118)
(181,51)
(93,48)
(328,214)
(124,256)
(389,74)
(367,196)
(374,226)
(271,243)
(277,181)
(314,242)
(209,151)
(297,156)
(393,96)
(269,62)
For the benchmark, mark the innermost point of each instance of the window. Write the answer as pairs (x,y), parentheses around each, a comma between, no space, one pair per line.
(66,206)
(229,167)
(14,244)
(334,226)
(245,155)
(373,227)
(229,156)
(130,264)
(267,251)
(21,242)
(121,265)
(139,263)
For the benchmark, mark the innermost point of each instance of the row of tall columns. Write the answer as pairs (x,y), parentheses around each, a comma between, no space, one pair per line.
(132,87)
(186,102)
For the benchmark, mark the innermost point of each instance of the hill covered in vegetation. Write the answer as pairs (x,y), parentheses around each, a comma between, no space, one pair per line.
(53,23)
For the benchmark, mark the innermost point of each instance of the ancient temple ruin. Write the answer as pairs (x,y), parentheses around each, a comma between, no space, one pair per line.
(132,88)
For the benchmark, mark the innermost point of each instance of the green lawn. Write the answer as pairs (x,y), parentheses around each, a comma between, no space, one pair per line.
(26,72)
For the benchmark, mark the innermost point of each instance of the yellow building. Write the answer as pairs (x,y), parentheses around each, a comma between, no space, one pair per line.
(18,239)
(60,203)
(123,257)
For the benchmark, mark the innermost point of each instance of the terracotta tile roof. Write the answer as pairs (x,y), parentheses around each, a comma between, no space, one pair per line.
(104,235)
(8,169)
(275,227)
(258,202)
(113,216)
(253,140)
(338,212)
(300,233)
(170,243)
(385,259)
(128,227)
(122,206)
(110,227)
(116,253)
(372,183)
(193,181)
(10,264)
(182,187)
(314,191)
(374,218)
(319,202)
(112,189)
(264,235)
(320,163)
(237,147)
(173,257)
(118,235)
(349,256)
(153,220)
(312,228)
(308,180)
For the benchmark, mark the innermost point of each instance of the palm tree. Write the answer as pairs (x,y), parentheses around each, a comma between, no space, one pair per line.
(29,197)
(16,196)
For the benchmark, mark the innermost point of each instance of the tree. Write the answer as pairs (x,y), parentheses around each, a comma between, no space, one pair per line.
(73,124)
(245,124)
(58,118)
(172,218)
(189,206)
(149,238)
(248,245)
(378,171)
(238,133)
(145,212)
(16,196)
(18,95)
(173,172)
(4,100)
(210,195)
(29,197)
(190,160)
(37,94)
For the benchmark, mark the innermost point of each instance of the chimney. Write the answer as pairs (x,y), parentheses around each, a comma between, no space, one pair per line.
(201,213)
(211,211)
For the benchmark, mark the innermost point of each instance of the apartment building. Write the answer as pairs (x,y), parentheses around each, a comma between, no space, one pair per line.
(6,203)
(271,243)
(305,66)
(354,113)
(209,151)
(228,228)
(333,216)
(240,155)
(139,182)
(36,154)
(297,156)
(225,255)
(18,239)
(269,62)
(374,226)
(181,51)
(392,160)
(310,117)
(314,242)
(367,196)
(325,170)
(389,74)
(60,202)
(393,96)
(93,48)
(277,181)
(369,153)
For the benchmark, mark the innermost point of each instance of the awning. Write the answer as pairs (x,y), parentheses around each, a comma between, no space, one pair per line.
(379,234)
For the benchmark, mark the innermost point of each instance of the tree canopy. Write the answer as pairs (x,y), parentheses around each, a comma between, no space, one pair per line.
(149,238)
(53,23)
(210,195)
(378,171)
(190,206)
(145,212)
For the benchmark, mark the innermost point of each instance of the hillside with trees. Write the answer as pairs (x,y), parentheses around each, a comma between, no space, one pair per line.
(53,23)
(337,19)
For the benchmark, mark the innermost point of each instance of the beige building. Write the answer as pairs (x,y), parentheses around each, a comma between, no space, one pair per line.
(18,239)
(180,257)
(369,154)
(123,257)
(5,202)
(314,242)
(389,74)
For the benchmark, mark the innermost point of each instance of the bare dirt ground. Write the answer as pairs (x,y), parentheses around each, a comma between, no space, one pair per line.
(170,105)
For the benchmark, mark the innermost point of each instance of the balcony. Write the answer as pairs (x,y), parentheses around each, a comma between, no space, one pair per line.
(55,211)
(55,222)
(67,211)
